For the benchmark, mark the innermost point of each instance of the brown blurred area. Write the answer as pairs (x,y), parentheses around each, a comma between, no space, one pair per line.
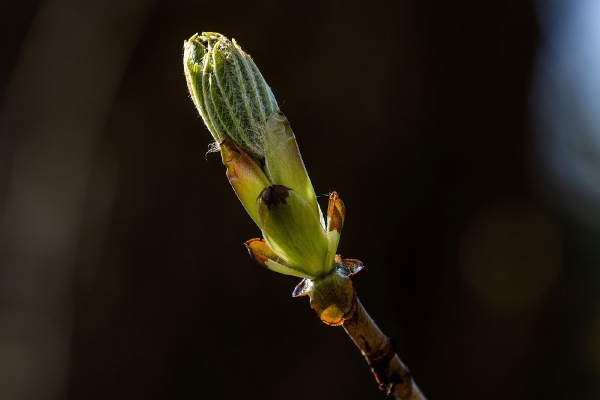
(123,273)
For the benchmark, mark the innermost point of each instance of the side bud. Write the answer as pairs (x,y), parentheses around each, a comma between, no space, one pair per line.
(228,90)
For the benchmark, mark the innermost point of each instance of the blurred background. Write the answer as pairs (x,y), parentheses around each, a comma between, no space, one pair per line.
(464,139)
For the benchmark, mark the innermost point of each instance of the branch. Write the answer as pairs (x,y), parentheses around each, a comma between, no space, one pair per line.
(391,374)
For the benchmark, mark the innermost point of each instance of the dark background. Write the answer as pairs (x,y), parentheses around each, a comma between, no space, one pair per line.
(123,270)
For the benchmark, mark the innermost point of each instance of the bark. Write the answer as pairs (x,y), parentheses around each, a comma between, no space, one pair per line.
(389,371)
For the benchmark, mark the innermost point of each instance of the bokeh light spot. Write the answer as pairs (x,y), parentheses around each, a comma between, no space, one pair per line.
(510,254)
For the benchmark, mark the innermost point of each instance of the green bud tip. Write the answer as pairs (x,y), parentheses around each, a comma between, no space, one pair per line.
(228,90)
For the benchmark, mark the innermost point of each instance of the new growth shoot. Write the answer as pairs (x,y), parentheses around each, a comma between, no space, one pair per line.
(266,171)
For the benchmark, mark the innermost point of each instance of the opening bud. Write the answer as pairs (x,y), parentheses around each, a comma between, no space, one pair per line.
(228,90)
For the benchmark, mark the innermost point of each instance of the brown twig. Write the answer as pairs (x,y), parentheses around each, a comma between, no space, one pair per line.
(391,374)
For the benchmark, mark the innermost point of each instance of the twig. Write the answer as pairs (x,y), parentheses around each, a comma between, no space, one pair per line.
(391,374)
(265,169)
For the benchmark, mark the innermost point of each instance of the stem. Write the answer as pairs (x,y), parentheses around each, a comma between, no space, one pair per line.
(391,374)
